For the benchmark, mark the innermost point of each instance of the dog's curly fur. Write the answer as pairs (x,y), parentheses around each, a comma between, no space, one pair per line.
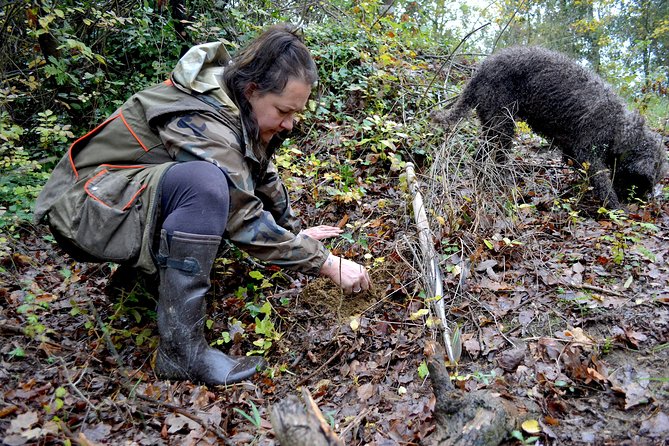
(570,106)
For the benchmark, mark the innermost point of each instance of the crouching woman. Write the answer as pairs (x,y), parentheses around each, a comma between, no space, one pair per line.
(179,167)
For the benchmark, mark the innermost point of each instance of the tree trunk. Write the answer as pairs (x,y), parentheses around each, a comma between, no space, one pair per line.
(478,418)
(179,17)
(296,426)
(48,44)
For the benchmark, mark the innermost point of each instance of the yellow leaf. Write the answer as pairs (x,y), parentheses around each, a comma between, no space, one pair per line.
(418,314)
(531,426)
(355,323)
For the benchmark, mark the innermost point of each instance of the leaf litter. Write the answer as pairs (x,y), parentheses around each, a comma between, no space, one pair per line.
(571,324)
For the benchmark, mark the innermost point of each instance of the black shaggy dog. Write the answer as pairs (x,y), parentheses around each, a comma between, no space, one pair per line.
(569,105)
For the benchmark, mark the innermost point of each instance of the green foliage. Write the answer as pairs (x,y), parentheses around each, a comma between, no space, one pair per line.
(261,316)
(266,329)
(32,310)
(518,435)
(377,63)
(423,371)
(17,353)
(255,418)
(20,177)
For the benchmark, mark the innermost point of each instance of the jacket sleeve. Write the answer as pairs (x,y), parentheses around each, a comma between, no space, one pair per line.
(274,195)
(251,226)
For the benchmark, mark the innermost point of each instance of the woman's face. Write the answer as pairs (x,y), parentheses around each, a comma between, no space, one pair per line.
(275,112)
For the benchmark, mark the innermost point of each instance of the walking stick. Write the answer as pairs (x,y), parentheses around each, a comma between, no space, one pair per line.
(436,285)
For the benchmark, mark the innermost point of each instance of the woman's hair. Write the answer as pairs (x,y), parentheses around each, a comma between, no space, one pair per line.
(268,62)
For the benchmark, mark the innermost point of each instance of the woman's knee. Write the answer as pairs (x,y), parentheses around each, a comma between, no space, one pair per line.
(196,180)
(195,194)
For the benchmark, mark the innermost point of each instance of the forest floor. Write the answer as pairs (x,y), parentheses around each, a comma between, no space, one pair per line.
(566,316)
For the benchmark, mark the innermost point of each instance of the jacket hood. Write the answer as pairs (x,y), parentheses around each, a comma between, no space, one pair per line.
(201,69)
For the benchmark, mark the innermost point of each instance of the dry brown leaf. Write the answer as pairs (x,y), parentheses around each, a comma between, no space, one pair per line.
(366,391)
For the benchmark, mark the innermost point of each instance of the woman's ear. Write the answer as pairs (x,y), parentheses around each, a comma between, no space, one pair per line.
(250,89)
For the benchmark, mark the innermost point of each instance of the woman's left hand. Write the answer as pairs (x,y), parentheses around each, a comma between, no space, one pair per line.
(322,232)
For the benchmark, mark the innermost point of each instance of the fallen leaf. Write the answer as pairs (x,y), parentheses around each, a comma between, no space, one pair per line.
(22,422)
(551,421)
(485,265)
(473,347)
(176,422)
(525,317)
(418,314)
(509,360)
(550,347)
(355,323)
(85,441)
(633,384)
(628,282)
(578,267)
(656,426)
(594,374)
(492,285)
(22,259)
(8,410)
(98,433)
(578,336)
(366,391)
(531,426)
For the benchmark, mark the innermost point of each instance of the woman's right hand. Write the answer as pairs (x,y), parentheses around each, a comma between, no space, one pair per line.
(350,276)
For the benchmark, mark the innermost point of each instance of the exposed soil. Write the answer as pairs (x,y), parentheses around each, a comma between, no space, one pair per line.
(326,299)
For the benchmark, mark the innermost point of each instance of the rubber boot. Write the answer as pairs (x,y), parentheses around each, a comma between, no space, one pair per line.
(183,353)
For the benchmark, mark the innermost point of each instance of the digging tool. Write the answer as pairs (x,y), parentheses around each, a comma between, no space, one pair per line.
(452,340)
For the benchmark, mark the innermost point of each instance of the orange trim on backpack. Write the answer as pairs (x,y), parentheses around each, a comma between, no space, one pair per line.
(96,198)
(134,197)
(168,82)
(69,152)
(132,132)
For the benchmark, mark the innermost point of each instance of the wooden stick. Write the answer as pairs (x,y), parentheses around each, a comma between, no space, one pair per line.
(430,254)
(325,364)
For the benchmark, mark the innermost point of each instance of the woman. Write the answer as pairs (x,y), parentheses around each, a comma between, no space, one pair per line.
(182,165)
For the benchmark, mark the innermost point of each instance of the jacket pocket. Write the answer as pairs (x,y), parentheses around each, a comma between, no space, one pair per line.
(100,219)
(109,224)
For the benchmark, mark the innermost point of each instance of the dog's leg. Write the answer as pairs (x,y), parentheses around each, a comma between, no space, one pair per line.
(600,179)
(498,132)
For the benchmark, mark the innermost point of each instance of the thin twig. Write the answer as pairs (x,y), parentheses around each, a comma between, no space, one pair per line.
(74,387)
(598,289)
(325,364)
(450,56)
(180,410)
(354,422)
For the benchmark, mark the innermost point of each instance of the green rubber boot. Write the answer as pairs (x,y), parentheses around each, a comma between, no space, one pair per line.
(183,353)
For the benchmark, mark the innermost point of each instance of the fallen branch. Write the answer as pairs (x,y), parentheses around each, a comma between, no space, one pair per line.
(297,424)
(325,364)
(11,329)
(586,286)
(477,418)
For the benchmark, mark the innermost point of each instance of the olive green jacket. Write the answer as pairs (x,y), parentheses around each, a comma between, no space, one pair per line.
(102,199)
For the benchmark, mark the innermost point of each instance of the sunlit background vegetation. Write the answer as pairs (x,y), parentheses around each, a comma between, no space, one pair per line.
(384,65)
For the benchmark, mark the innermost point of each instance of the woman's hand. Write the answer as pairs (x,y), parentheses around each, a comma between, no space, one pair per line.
(321,232)
(350,276)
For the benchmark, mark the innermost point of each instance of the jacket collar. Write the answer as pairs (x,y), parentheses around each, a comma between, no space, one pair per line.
(199,72)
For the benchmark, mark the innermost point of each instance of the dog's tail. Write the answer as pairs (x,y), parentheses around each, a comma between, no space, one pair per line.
(449,117)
